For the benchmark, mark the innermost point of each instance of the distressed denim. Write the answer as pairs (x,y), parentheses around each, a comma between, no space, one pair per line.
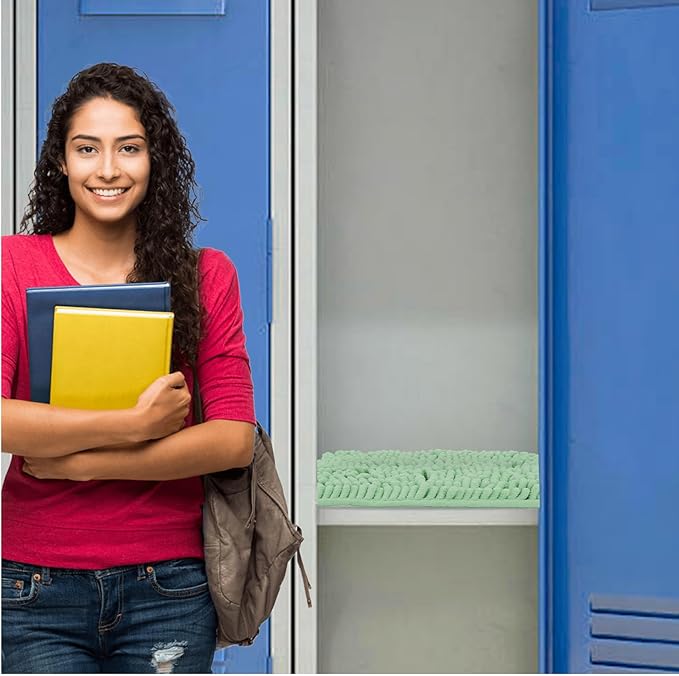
(155,617)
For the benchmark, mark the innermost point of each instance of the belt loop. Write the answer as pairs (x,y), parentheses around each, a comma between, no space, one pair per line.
(141,572)
(45,576)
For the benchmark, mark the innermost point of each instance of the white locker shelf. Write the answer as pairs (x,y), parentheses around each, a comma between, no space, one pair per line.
(426,516)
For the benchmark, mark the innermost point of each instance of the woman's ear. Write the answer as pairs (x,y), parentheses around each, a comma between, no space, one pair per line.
(62,164)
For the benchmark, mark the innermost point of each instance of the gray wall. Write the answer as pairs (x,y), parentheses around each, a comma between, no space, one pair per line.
(427,136)
(427,224)
(435,599)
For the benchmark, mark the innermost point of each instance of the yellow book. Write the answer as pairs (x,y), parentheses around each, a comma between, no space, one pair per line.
(104,359)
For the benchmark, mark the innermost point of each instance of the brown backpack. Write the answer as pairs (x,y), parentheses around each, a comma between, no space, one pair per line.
(248,540)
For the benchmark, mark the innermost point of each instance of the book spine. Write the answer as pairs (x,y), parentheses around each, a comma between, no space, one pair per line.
(168,343)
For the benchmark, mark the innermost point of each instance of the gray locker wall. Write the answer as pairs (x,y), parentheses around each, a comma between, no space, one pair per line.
(427,137)
(427,599)
(428,287)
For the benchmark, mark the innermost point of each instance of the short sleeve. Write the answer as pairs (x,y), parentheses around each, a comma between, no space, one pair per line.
(223,364)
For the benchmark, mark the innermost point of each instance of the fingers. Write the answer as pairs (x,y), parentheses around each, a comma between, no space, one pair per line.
(175,379)
(165,404)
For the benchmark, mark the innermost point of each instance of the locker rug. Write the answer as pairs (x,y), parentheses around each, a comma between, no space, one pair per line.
(435,478)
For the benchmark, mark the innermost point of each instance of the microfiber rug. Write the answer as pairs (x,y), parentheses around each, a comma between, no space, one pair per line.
(434,478)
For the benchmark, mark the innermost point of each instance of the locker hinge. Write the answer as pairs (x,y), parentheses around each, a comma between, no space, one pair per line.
(269,270)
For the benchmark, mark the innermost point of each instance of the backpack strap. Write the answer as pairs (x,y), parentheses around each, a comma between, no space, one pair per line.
(198,418)
(253,494)
(197,403)
(302,570)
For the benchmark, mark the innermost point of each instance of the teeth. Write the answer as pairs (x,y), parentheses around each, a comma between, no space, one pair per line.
(108,193)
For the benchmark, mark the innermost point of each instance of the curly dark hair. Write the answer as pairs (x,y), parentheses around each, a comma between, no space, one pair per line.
(168,214)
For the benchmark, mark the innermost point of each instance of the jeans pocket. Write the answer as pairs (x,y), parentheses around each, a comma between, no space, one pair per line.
(179,578)
(20,586)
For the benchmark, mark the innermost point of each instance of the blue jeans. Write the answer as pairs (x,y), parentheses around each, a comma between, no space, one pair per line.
(148,618)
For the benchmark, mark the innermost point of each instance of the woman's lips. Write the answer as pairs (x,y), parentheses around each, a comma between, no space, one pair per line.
(108,198)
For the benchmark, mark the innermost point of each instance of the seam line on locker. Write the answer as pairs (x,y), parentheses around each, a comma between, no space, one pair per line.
(269,270)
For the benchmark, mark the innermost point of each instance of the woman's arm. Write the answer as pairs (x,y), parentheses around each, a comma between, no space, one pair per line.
(209,447)
(44,431)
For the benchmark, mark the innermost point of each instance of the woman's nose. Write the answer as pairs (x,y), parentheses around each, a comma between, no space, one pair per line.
(108,168)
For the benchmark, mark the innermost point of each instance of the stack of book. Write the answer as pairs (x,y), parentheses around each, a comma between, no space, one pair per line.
(98,347)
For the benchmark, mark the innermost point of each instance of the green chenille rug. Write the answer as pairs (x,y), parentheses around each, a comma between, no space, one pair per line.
(435,478)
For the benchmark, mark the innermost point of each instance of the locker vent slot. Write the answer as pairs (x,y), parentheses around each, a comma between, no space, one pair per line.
(634,633)
(602,669)
(630,4)
(151,7)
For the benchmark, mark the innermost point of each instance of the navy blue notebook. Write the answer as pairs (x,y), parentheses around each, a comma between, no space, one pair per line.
(40,302)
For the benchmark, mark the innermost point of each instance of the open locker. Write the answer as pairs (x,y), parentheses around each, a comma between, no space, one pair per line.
(435,200)
(426,277)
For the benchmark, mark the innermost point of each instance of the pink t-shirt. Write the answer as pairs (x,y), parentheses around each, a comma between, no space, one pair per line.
(100,524)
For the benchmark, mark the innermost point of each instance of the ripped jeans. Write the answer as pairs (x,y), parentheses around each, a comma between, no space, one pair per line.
(147,618)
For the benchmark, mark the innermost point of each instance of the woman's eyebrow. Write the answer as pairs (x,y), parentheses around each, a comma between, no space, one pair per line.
(87,137)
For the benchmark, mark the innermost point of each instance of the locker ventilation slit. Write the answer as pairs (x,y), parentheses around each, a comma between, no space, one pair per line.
(634,634)
(597,5)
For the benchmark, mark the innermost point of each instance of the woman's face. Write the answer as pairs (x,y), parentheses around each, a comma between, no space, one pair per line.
(107,161)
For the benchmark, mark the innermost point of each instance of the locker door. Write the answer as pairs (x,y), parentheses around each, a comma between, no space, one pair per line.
(211,57)
(610,391)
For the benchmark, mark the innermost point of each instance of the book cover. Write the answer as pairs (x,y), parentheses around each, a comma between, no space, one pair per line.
(40,304)
(105,358)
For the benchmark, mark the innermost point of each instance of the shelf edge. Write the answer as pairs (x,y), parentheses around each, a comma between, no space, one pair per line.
(426,516)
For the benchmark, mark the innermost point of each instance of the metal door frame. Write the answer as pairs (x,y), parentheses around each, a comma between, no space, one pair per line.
(19,108)
(281,390)
(545,339)
(19,117)
(305,362)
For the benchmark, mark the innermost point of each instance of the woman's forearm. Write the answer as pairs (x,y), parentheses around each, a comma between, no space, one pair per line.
(209,447)
(43,431)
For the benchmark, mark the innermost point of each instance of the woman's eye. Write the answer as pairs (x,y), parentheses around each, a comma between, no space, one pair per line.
(131,149)
(85,150)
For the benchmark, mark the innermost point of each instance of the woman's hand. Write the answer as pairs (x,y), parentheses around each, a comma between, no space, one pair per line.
(95,464)
(73,467)
(163,406)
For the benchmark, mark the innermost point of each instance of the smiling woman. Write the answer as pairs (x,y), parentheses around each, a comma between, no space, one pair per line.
(146,235)
(113,499)
(107,164)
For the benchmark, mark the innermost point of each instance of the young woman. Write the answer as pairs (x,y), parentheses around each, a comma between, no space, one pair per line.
(101,510)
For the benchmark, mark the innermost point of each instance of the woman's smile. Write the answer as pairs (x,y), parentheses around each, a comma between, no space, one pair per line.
(108,194)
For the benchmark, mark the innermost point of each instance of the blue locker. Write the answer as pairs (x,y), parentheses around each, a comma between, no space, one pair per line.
(609,335)
(212,60)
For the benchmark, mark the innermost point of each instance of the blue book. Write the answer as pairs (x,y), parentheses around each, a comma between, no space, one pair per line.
(40,303)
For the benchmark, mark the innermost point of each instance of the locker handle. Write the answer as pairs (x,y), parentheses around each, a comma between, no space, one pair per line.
(151,7)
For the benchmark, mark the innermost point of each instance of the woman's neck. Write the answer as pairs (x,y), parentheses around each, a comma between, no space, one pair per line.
(102,254)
